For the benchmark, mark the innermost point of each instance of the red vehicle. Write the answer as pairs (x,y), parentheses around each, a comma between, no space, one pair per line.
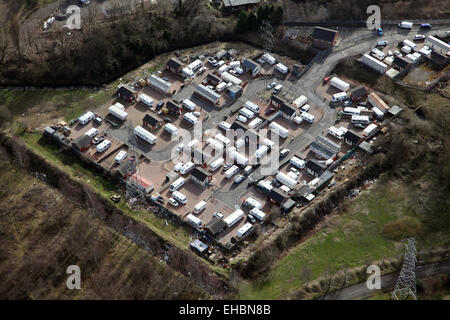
(325,80)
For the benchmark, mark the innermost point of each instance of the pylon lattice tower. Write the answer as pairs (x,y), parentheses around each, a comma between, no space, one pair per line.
(133,185)
(405,288)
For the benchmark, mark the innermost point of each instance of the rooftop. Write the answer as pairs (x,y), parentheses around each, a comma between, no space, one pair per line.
(324,34)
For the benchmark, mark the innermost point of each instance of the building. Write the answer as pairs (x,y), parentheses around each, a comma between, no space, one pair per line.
(440,59)
(174,65)
(213,79)
(366,147)
(234,91)
(252,67)
(207,94)
(437,45)
(238,4)
(401,63)
(126,93)
(287,205)
(159,84)
(174,108)
(315,168)
(277,101)
(358,94)
(277,196)
(152,122)
(124,169)
(395,111)
(376,101)
(143,183)
(215,226)
(82,143)
(324,147)
(200,176)
(288,112)
(352,138)
(324,38)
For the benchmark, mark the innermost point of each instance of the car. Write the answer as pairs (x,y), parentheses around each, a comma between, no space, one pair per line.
(360,125)
(197,113)
(284,153)
(212,61)
(294,170)
(201,71)
(98,120)
(256,165)
(251,181)
(347,103)
(161,199)
(425,26)
(271,85)
(218,215)
(242,119)
(269,111)
(325,80)
(227,166)
(167,120)
(173,202)
(389,53)
(419,37)
(97,140)
(159,105)
(380,31)
(382,43)
(305,108)
(239,179)
(251,218)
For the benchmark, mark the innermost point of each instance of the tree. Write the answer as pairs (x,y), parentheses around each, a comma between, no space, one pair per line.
(242,24)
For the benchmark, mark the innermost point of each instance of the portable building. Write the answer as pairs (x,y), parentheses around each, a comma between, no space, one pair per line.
(258,214)
(373,63)
(281,131)
(145,135)
(340,84)
(268,58)
(228,77)
(85,118)
(410,44)
(233,218)
(245,229)
(300,101)
(437,45)
(285,179)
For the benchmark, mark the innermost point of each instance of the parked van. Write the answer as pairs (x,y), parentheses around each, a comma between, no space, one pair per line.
(104,145)
(252,107)
(145,99)
(188,104)
(199,207)
(181,198)
(193,220)
(120,157)
(177,184)
(246,113)
(225,125)
(337,97)
(231,172)
(405,25)
(92,132)
(277,88)
(187,167)
(216,164)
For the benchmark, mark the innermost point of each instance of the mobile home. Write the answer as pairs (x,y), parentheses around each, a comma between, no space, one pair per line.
(339,84)
(145,135)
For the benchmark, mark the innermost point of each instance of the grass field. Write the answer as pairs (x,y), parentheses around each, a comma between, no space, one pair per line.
(360,236)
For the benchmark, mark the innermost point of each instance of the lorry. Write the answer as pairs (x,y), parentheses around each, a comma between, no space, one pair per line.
(233,218)
(339,84)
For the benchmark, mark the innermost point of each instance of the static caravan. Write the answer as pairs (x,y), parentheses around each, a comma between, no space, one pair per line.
(410,44)
(119,105)
(222,69)
(378,53)
(216,164)
(221,138)
(85,118)
(145,99)
(103,146)
(145,135)
(335,132)
(233,218)
(92,132)
(225,125)
(217,145)
(188,104)
(349,111)
(282,68)
(120,157)
(177,184)
(300,101)
(181,198)
(253,107)
(191,144)
(238,157)
(298,163)
(193,220)
(308,117)
(194,66)
(118,113)
(339,96)
(285,179)
(258,214)
(246,113)
(189,117)
(231,172)
(373,63)
(253,203)
(370,129)
(281,131)
(360,120)
(245,229)
(254,123)
(230,78)
(298,120)
(171,129)
(239,143)
(340,84)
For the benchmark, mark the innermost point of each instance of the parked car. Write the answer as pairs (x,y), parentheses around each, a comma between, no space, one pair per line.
(284,153)
(161,199)
(173,202)
(167,119)
(325,80)
(242,119)
(382,43)
(218,215)
(97,140)
(201,71)
(271,85)
(419,37)
(227,166)
(179,147)
(305,108)
(347,102)
(159,105)
(251,218)
(251,181)
(98,120)
(425,26)
(269,111)
(380,31)
(294,170)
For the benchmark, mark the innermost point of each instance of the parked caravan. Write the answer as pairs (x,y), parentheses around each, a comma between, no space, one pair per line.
(405,25)
(253,107)
(268,58)
(410,44)
(233,218)
(281,131)
(231,172)
(339,96)
(193,220)
(85,118)
(300,101)
(335,132)
(298,163)
(292,175)
(223,69)
(188,167)
(145,99)
(238,157)
(369,130)
(239,143)
(264,185)
(119,105)
(253,203)
(177,184)
(181,198)
(103,146)
(246,113)
(216,145)
(378,113)
(199,207)
(216,164)
(349,111)
(245,229)
(378,53)
(258,214)
(307,117)
(221,86)
(339,84)
(189,117)
(117,112)
(221,138)
(188,104)
(360,120)
(277,88)
(194,66)
(191,145)
(254,123)
(269,143)
(171,129)
(285,179)
(188,73)
(225,125)
(282,68)
(120,157)
(92,132)
(145,135)
(298,120)
(261,152)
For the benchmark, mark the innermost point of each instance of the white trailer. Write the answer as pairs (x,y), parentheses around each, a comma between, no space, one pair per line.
(223,69)
(244,230)
(189,105)
(300,101)
(258,214)
(102,146)
(285,179)
(222,139)
(228,77)
(118,113)
(215,144)
(253,203)
(298,163)
(340,84)
(193,220)
(378,53)
(308,117)
(92,132)
(261,152)
(370,129)
(189,117)
(233,218)
(253,107)
(246,113)
(85,118)
(238,157)
(268,58)
(170,128)
(373,63)
(145,99)
(195,65)
(281,131)
(410,44)
(282,68)
(145,135)
(231,172)
(216,164)
(335,132)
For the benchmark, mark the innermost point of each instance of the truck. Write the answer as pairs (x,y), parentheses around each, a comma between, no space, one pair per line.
(405,25)
(233,218)
(286,180)
(373,63)
(339,84)
(118,113)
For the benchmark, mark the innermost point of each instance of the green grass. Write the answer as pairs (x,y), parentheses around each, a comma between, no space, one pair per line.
(346,241)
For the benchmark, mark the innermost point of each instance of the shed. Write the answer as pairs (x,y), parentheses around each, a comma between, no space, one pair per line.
(366,147)
(234,91)
(200,176)
(287,205)
(174,65)
(352,138)
(251,67)
(358,94)
(153,122)
(277,196)
(288,112)
(215,226)
(401,63)
(126,93)
(395,111)
(82,143)
(277,101)
(315,168)
(324,38)
(173,108)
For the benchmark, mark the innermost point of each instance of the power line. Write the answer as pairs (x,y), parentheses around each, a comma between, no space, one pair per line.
(405,287)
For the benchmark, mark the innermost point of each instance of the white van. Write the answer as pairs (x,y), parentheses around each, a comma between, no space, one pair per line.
(104,145)
(246,113)
(187,167)
(216,164)
(120,157)
(193,220)
(277,88)
(339,96)
(188,104)
(145,99)
(177,184)
(225,125)
(92,132)
(254,123)
(231,172)
(199,207)
(181,198)
(252,107)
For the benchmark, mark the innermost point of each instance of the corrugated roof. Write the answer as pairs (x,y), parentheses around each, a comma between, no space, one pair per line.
(324,34)
(236,3)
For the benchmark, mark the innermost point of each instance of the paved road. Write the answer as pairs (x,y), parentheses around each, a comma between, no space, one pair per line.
(360,291)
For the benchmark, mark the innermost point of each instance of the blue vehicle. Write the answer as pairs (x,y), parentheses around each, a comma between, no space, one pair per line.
(425,26)
(380,31)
